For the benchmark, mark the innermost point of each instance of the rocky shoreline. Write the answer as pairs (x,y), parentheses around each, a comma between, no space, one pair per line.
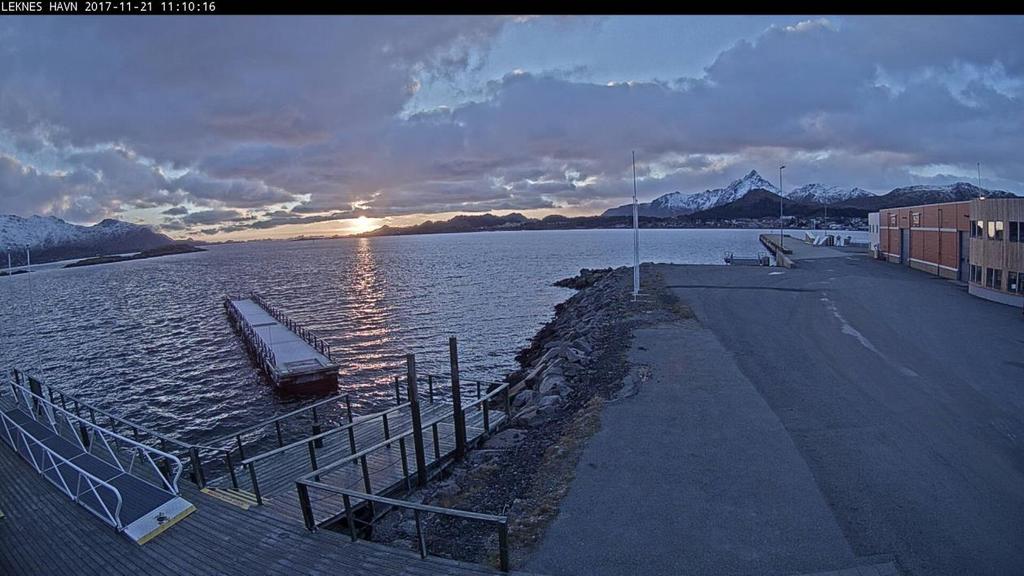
(573,365)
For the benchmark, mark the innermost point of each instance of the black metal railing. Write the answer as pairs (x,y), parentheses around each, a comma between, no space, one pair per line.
(310,338)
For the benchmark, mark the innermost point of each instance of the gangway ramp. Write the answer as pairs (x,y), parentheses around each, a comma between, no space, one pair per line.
(127,484)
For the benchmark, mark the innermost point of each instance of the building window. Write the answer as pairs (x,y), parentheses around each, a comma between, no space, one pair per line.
(999,230)
(1015,232)
(988,277)
(998,280)
(973,224)
(991,229)
(1013,282)
(979,228)
(975,273)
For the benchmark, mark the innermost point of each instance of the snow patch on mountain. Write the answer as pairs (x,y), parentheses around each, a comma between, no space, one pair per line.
(51,238)
(824,194)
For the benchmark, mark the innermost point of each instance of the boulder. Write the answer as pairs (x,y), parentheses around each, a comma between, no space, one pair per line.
(522,399)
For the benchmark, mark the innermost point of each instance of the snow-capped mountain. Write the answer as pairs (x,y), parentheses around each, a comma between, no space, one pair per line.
(824,194)
(679,204)
(925,194)
(51,238)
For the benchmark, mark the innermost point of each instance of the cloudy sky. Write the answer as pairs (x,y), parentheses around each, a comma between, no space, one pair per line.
(270,127)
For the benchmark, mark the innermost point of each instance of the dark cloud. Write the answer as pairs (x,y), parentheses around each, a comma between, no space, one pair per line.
(266,122)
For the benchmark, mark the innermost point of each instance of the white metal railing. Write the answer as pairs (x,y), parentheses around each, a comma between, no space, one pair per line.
(89,435)
(64,474)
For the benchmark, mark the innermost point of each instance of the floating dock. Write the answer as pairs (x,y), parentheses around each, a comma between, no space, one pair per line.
(293,357)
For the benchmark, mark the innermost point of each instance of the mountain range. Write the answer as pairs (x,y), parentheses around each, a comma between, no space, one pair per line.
(733,202)
(50,238)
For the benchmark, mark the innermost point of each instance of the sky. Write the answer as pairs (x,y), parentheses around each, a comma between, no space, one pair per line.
(257,127)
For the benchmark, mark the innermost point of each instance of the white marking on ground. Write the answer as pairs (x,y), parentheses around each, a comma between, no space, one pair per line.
(849,330)
(774,273)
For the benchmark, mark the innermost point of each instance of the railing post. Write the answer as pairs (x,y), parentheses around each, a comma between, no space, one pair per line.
(417,430)
(319,442)
(405,463)
(437,442)
(398,392)
(255,483)
(307,508)
(241,452)
(197,467)
(348,516)
(312,458)
(460,417)
(421,538)
(351,428)
(387,429)
(430,387)
(231,470)
(280,440)
(503,546)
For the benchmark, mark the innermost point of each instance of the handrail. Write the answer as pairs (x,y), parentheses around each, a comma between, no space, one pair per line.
(305,333)
(384,443)
(355,421)
(501,522)
(112,417)
(279,418)
(171,484)
(112,518)
(487,396)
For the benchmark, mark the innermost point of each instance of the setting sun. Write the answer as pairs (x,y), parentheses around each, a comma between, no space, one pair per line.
(362,224)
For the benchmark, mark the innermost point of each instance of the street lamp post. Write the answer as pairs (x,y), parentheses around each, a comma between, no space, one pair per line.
(780,206)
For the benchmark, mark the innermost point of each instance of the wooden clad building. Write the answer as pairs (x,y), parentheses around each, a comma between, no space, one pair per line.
(979,241)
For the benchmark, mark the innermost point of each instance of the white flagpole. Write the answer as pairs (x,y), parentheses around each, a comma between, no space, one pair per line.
(636,236)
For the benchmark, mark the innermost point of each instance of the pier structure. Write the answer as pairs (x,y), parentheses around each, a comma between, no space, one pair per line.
(295,359)
(304,476)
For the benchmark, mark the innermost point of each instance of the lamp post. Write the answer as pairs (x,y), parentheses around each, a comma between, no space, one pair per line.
(781,168)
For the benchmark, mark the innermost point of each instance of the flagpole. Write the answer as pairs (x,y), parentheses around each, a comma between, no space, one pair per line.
(636,236)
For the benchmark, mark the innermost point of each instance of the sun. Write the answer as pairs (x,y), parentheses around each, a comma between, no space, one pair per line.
(361,224)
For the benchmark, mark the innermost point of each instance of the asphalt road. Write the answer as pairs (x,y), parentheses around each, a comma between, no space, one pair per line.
(903,394)
(815,418)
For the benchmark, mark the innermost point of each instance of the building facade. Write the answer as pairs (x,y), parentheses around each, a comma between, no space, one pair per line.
(997,250)
(980,242)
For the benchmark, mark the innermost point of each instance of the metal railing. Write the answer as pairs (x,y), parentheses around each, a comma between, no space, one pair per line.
(500,522)
(232,448)
(312,339)
(87,435)
(68,477)
(311,443)
(338,477)
(97,415)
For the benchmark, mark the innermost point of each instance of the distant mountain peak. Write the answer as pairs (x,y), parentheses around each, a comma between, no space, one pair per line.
(51,238)
(817,193)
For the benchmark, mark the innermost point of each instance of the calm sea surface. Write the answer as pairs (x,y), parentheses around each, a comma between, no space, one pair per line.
(149,339)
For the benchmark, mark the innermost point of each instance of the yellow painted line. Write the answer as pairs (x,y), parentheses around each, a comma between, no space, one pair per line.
(166,525)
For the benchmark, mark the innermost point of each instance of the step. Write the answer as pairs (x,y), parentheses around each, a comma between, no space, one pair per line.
(241,498)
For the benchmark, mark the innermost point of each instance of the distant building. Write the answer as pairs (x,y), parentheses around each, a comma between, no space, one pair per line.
(979,241)
(873,233)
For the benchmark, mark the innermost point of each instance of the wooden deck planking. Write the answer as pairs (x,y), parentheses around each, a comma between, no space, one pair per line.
(45,533)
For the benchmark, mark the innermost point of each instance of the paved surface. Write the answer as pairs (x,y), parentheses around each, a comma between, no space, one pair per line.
(902,397)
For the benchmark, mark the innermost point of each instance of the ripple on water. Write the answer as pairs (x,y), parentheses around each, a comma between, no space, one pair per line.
(149,339)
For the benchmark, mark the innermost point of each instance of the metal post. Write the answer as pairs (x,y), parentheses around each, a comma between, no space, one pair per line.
(503,546)
(197,467)
(312,458)
(398,392)
(241,453)
(780,208)
(437,442)
(420,537)
(417,431)
(231,470)
(255,483)
(351,428)
(319,442)
(348,516)
(405,463)
(430,387)
(460,417)
(307,508)
(387,429)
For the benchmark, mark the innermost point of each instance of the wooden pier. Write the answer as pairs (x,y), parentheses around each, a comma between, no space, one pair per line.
(294,358)
(273,488)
